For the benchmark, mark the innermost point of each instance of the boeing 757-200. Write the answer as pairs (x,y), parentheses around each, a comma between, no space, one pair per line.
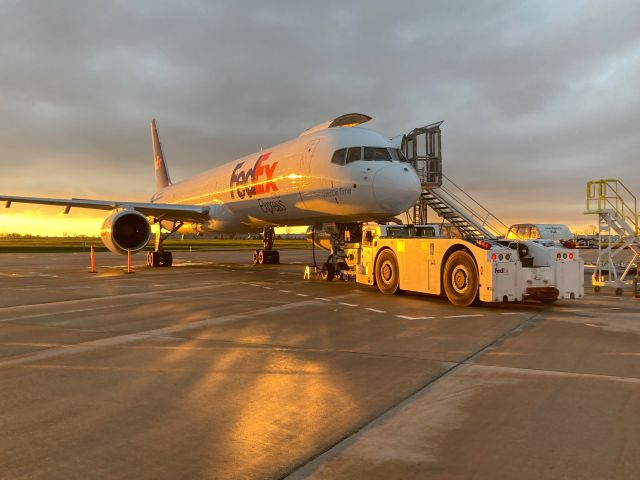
(336,174)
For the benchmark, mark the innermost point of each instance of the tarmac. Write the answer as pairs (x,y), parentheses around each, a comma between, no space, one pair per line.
(218,368)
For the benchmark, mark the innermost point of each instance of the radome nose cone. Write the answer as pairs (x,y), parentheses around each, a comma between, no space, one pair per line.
(396,187)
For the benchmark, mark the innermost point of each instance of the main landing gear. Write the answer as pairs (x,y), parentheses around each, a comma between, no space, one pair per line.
(267,254)
(160,257)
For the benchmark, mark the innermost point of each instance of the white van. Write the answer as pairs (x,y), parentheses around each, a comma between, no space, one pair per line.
(532,231)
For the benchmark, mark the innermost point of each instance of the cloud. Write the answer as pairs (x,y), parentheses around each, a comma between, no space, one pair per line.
(537,97)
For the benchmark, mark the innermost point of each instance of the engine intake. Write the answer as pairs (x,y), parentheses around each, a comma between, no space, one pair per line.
(126,230)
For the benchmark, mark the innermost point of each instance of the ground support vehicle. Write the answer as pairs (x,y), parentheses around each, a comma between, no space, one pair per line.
(410,258)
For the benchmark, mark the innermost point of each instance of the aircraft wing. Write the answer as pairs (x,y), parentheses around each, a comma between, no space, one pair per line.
(163,211)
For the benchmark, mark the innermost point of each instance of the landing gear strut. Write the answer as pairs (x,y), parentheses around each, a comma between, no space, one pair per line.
(160,257)
(336,263)
(267,254)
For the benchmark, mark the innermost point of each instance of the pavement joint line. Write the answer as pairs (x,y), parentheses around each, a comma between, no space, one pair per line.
(110,297)
(132,337)
(374,310)
(465,315)
(308,466)
(77,310)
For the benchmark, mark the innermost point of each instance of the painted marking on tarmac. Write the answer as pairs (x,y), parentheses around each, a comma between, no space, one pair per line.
(555,373)
(465,316)
(407,317)
(302,294)
(267,288)
(323,299)
(374,310)
(285,291)
(513,313)
(254,284)
(348,304)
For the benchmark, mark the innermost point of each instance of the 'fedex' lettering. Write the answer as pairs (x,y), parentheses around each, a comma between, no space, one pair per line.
(254,181)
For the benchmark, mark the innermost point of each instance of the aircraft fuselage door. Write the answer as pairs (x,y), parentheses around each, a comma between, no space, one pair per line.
(305,161)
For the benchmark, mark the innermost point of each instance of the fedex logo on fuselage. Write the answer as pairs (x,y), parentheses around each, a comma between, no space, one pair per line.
(259,178)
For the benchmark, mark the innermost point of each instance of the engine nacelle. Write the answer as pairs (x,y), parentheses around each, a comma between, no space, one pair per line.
(126,230)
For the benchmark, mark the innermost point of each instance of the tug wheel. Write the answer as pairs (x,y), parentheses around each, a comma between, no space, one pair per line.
(460,279)
(387,273)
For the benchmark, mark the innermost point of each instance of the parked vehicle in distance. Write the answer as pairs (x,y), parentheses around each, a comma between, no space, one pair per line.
(586,241)
(533,231)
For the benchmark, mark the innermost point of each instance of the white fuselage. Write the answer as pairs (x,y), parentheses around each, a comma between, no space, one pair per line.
(296,183)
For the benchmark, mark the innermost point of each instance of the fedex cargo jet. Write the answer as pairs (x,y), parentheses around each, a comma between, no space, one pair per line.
(336,173)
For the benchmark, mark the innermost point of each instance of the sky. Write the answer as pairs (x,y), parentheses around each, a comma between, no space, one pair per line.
(538,97)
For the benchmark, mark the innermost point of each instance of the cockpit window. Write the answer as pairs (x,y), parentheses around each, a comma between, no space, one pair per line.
(376,153)
(339,156)
(397,154)
(354,154)
(371,154)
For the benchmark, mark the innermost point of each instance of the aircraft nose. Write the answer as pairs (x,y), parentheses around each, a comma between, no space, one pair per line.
(396,187)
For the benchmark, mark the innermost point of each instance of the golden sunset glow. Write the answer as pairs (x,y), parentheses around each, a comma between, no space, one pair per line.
(50,222)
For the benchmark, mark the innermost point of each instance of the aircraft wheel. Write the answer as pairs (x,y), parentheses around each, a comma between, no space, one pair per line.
(387,273)
(618,291)
(255,257)
(275,257)
(328,272)
(261,259)
(596,289)
(166,260)
(460,279)
(153,259)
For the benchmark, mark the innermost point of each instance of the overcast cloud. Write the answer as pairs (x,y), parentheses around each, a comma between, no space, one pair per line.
(537,97)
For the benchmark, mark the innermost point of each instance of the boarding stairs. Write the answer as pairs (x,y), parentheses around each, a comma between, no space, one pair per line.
(423,148)
(618,229)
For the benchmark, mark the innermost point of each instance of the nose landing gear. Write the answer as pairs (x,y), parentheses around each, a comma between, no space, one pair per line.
(267,255)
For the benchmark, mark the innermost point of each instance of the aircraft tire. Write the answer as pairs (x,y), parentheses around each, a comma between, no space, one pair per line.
(261,257)
(328,273)
(255,257)
(153,259)
(387,273)
(460,279)
(166,260)
(275,257)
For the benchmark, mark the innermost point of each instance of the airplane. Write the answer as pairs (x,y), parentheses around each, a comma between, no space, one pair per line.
(334,175)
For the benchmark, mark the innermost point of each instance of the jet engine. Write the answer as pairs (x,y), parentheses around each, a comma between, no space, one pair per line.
(126,230)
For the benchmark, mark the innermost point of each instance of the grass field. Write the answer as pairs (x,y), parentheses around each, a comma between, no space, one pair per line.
(51,244)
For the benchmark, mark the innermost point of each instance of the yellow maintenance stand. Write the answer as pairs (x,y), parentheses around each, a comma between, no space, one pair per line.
(618,230)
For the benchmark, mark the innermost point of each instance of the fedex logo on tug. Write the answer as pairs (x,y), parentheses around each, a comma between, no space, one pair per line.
(259,178)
